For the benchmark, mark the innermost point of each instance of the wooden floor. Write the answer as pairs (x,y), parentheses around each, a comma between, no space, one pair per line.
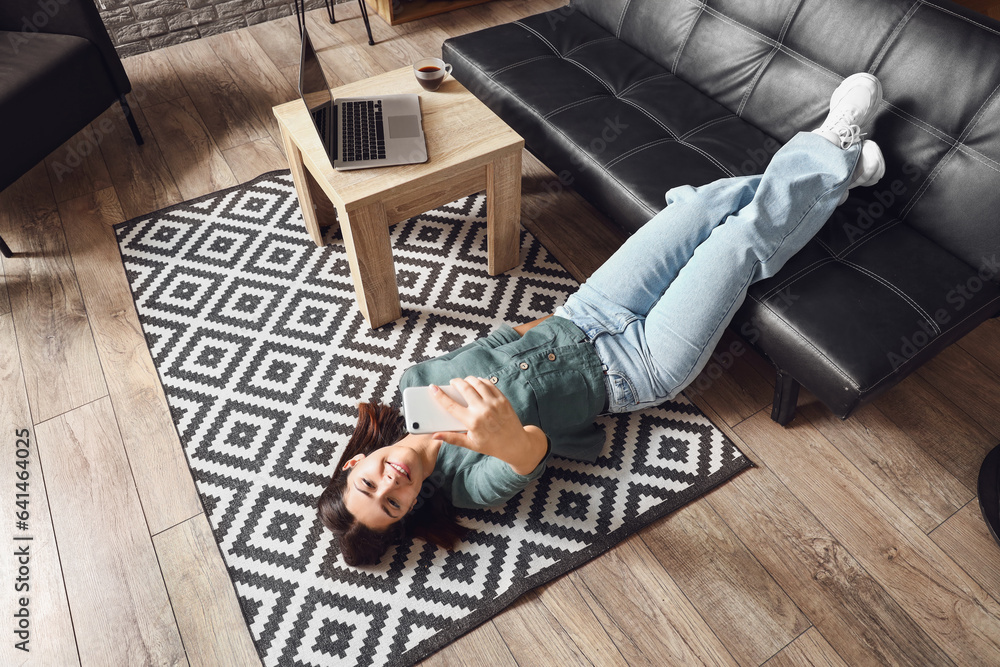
(856,542)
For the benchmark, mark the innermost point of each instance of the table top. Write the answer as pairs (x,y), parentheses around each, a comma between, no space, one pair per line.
(461,133)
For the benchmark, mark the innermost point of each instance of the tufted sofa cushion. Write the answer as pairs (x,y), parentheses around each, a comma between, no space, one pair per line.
(625,99)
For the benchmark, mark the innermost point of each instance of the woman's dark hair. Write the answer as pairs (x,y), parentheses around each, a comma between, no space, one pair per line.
(431,519)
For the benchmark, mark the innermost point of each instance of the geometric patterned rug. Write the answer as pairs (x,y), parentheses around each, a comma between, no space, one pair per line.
(264,357)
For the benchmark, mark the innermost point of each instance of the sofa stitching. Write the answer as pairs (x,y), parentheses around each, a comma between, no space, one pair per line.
(621,19)
(633,151)
(900,293)
(926,127)
(628,89)
(801,273)
(781,321)
(539,36)
(854,245)
(590,43)
(979,157)
(756,77)
(767,59)
(964,18)
(680,50)
(628,192)
(978,116)
(967,317)
(567,107)
(672,134)
(938,168)
(891,39)
(705,126)
(519,63)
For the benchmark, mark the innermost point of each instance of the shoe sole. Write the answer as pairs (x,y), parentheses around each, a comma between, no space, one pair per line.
(846,85)
(880,161)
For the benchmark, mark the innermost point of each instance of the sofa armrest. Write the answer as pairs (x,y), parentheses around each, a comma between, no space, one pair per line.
(65,17)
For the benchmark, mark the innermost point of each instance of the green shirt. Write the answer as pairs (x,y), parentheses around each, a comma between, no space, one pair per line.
(553,379)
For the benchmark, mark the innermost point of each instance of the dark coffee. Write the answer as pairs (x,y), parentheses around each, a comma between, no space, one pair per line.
(430,75)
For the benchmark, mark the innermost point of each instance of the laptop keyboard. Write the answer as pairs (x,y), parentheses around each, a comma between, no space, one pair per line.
(362,136)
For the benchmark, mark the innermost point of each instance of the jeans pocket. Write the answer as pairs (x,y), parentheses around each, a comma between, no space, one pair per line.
(624,396)
(621,392)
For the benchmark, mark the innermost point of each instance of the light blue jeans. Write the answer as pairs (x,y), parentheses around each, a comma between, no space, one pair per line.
(657,308)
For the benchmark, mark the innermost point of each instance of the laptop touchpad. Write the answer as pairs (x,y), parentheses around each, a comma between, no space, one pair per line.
(401,127)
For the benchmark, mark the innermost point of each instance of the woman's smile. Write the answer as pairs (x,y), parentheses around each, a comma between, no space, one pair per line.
(401,468)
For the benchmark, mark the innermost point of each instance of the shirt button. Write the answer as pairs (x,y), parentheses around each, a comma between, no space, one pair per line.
(524,365)
(552,357)
(494,379)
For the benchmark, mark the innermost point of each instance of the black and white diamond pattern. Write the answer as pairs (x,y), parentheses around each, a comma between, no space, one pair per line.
(264,357)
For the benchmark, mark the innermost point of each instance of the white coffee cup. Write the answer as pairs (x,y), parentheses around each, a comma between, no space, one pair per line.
(430,72)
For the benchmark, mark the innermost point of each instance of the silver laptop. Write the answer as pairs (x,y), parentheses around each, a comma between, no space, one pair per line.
(360,132)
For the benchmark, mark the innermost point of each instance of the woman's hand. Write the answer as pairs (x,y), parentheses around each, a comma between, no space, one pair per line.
(493,426)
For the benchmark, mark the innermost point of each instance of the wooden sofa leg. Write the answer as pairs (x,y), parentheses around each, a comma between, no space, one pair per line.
(5,250)
(786,395)
(131,120)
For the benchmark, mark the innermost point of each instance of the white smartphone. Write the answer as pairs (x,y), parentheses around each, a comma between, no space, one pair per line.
(423,414)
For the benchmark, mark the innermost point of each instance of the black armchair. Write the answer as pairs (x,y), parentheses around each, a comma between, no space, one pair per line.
(58,72)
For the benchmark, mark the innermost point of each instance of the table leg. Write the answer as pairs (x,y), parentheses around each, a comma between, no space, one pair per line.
(369,253)
(301,178)
(503,212)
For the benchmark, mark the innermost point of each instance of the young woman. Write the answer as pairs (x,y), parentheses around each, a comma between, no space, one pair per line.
(634,335)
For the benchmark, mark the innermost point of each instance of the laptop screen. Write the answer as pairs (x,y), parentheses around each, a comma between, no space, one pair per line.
(313,87)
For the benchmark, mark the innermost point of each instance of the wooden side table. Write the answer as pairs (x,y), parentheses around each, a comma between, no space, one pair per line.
(470,150)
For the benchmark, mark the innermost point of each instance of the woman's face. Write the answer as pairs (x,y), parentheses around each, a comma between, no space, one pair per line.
(384,485)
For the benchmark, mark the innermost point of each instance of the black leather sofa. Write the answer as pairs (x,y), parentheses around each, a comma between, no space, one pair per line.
(58,72)
(624,99)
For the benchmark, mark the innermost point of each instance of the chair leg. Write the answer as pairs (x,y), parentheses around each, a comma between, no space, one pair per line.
(364,15)
(131,120)
(368,26)
(5,250)
(786,395)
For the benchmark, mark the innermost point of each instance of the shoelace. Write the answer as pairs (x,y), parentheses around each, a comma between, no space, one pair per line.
(848,132)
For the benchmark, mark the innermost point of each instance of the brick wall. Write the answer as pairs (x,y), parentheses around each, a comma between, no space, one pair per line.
(137,26)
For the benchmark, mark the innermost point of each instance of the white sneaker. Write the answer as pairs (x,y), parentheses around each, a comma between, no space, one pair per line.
(852,106)
(870,168)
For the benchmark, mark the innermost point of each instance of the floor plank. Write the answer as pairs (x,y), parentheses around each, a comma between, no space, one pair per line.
(255,158)
(77,167)
(745,607)
(966,538)
(258,78)
(563,599)
(153,79)
(194,160)
(943,600)
(158,467)
(644,610)
(34,595)
(938,426)
(810,649)
(857,615)
(61,367)
(983,343)
(223,107)
(142,179)
(970,384)
(208,612)
(121,611)
(908,475)
(482,647)
(534,636)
